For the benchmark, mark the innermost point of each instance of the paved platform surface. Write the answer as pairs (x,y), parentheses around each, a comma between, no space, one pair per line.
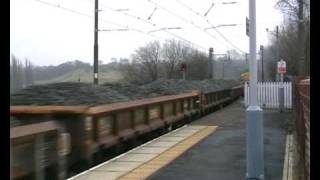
(222,155)
(145,160)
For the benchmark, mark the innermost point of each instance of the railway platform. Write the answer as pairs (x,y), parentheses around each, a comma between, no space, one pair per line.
(212,147)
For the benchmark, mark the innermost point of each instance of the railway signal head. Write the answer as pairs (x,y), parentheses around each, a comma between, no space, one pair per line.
(183,67)
(261,47)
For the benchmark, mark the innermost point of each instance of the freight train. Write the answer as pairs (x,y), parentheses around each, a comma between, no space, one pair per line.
(49,142)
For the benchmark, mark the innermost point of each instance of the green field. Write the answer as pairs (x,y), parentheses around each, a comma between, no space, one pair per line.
(86,76)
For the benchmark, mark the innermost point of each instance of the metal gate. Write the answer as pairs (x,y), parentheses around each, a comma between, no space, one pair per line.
(268,94)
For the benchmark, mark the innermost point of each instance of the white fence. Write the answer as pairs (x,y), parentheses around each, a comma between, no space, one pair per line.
(268,94)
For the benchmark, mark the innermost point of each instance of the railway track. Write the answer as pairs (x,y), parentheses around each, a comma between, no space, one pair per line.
(56,142)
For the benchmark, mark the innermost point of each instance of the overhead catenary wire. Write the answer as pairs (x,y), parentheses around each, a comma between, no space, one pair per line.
(113,29)
(226,39)
(73,11)
(162,29)
(187,21)
(152,13)
(153,24)
(117,24)
(174,14)
(241,24)
(179,37)
(211,25)
(123,12)
(188,7)
(205,14)
(91,17)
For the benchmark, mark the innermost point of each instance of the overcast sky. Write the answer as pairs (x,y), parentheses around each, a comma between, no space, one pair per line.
(49,35)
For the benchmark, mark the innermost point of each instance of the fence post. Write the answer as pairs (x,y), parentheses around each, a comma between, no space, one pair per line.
(271,95)
(258,88)
(264,94)
(281,94)
(291,91)
(286,94)
(276,94)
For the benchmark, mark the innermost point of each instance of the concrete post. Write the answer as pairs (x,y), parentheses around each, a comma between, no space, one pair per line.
(210,66)
(223,68)
(281,88)
(246,58)
(212,63)
(95,48)
(281,94)
(254,115)
(262,68)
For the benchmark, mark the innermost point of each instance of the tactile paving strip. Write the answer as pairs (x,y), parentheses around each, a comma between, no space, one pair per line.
(150,167)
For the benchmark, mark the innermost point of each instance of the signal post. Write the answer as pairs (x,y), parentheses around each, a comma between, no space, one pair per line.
(281,70)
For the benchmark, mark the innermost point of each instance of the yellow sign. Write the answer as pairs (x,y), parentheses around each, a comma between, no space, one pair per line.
(245,76)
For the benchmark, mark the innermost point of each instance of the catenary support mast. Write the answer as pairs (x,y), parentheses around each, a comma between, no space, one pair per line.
(254,118)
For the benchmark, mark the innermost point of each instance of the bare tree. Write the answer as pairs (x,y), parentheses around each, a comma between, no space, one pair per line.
(289,50)
(21,75)
(233,55)
(174,53)
(146,65)
(134,73)
(297,13)
(28,69)
(270,63)
(16,74)
(149,57)
(197,63)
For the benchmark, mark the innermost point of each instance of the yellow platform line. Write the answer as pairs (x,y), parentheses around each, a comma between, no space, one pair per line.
(147,169)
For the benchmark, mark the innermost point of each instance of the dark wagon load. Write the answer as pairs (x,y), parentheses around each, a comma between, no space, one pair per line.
(69,93)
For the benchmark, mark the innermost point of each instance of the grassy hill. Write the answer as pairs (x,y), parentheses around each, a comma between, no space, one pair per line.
(85,75)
